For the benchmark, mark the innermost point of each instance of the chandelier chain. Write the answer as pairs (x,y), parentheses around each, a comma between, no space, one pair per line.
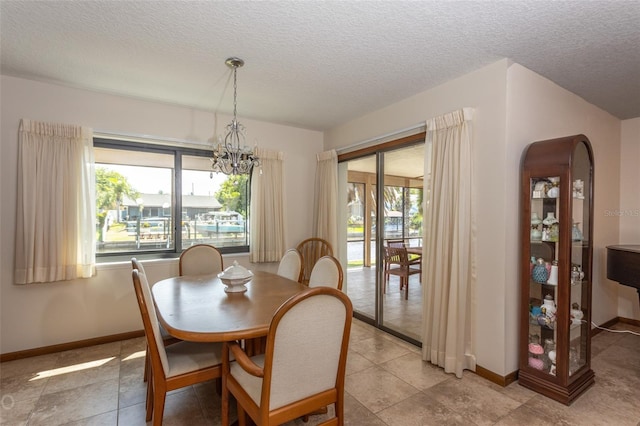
(235,93)
(230,156)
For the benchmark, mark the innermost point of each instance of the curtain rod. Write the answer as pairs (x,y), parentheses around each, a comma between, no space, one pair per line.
(380,138)
(147,138)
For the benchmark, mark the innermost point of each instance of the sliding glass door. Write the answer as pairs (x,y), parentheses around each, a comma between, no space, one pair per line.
(384,208)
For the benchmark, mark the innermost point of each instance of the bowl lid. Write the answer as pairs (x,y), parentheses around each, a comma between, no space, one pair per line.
(235,272)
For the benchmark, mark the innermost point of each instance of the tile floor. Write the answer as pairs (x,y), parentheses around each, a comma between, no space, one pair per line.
(399,314)
(386,384)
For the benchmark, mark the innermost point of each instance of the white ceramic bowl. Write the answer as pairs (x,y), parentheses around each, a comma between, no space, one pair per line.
(235,277)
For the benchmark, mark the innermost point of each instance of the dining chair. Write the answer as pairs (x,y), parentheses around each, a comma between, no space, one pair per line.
(167,338)
(327,272)
(200,259)
(311,250)
(175,366)
(414,258)
(396,243)
(397,262)
(291,265)
(303,366)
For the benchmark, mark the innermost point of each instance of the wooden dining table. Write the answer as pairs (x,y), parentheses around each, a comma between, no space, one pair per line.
(414,250)
(197,308)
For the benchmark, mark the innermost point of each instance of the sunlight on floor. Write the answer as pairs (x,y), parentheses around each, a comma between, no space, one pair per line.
(71,368)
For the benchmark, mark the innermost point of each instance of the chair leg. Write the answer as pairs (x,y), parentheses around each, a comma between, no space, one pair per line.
(149,403)
(406,289)
(224,402)
(147,361)
(158,406)
(242,417)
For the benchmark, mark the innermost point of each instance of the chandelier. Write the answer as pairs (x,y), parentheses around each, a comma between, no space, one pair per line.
(231,156)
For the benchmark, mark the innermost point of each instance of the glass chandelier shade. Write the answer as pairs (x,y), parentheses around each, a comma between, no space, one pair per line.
(231,156)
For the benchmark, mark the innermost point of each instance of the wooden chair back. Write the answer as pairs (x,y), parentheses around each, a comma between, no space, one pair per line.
(200,259)
(327,272)
(397,262)
(396,243)
(311,250)
(303,367)
(157,353)
(176,366)
(291,265)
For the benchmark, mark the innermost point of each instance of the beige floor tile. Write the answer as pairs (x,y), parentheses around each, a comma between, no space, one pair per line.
(356,362)
(413,370)
(377,389)
(597,407)
(28,366)
(210,402)
(473,400)
(421,409)
(183,408)
(73,375)
(613,379)
(356,414)
(19,388)
(514,391)
(525,415)
(360,331)
(132,391)
(15,412)
(132,415)
(622,356)
(90,354)
(75,404)
(106,419)
(378,349)
(387,384)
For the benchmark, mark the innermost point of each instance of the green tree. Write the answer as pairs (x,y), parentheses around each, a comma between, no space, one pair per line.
(233,194)
(111,188)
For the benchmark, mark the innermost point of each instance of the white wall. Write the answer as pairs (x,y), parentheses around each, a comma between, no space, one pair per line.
(485,91)
(39,315)
(513,108)
(629,208)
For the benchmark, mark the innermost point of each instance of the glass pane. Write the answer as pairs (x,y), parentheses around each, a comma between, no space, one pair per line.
(214,205)
(581,172)
(134,201)
(402,296)
(544,279)
(361,202)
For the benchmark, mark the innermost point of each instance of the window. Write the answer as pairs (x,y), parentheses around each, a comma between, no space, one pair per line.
(163,199)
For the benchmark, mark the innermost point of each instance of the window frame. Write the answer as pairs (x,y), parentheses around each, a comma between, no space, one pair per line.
(177,152)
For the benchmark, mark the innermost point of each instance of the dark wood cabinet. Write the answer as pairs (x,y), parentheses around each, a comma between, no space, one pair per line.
(556,265)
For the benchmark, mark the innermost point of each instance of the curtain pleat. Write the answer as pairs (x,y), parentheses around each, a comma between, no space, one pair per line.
(326,201)
(55,226)
(267,233)
(449,235)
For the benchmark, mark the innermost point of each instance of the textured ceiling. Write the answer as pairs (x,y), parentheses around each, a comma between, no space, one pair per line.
(317,64)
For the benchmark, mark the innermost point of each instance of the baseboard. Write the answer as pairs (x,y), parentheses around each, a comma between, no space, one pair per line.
(512,377)
(629,321)
(71,345)
(496,378)
(607,324)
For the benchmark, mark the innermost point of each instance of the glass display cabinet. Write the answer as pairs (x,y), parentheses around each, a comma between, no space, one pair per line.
(556,259)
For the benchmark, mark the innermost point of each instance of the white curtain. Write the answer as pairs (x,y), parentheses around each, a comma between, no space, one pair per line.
(56,210)
(267,208)
(449,235)
(325,222)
